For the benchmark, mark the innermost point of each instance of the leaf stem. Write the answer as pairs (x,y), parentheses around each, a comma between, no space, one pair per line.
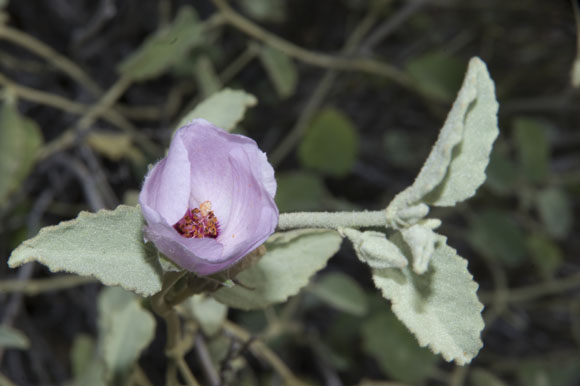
(332,220)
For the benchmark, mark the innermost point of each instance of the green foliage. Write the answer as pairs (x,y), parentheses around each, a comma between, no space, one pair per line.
(546,254)
(224,109)
(455,168)
(575,73)
(533,148)
(209,313)
(163,49)
(387,340)
(20,140)
(481,377)
(502,173)
(562,372)
(107,245)
(12,338)
(206,75)
(125,329)
(291,259)
(341,292)
(440,307)
(556,212)
(114,146)
(87,367)
(494,234)
(466,140)
(437,74)
(403,148)
(374,249)
(299,191)
(330,145)
(281,71)
(264,10)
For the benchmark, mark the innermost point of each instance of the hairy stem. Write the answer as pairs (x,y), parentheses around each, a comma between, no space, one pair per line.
(332,220)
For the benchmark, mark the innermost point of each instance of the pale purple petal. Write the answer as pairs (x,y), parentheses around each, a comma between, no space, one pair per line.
(168,184)
(225,169)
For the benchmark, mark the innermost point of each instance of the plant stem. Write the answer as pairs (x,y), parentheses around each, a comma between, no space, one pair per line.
(261,350)
(59,61)
(35,287)
(315,58)
(332,220)
(175,347)
(186,372)
(532,292)
(320,93)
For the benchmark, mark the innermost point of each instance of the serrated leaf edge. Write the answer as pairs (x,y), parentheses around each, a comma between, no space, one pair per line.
(473,286)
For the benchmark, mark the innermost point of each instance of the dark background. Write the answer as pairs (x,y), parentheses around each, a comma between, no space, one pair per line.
(529,47)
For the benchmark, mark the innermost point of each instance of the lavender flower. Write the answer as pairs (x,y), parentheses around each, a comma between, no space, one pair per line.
(211,200)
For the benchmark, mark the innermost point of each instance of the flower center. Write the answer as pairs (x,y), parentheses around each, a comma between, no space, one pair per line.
(198,223)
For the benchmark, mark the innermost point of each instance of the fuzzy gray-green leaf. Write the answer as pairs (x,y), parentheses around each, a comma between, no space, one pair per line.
(440,307)
(455,168)
(107,245)
(291,259)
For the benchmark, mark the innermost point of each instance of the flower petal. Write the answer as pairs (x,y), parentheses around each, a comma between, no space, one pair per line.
(253,215)
(168,184)
(205,163)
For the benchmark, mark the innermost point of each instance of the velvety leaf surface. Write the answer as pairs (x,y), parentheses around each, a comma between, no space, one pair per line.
(291,259)
(455,168)
(440,307)
(107,245)
(474,117)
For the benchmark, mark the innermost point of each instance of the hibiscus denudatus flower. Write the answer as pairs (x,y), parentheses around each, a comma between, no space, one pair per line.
(210,201)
